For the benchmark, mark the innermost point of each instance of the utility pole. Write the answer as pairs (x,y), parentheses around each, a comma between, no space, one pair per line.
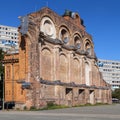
(12,77)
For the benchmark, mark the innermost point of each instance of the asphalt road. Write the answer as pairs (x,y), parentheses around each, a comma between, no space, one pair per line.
(104,112)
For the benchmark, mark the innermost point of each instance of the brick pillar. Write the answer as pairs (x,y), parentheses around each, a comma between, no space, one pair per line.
(83,71)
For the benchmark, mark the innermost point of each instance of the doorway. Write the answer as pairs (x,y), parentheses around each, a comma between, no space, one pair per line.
(91,94)
(69,96)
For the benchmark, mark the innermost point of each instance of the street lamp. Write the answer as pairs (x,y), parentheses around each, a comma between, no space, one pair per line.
(12,77)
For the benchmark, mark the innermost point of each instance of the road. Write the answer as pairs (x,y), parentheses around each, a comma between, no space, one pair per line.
(104,112)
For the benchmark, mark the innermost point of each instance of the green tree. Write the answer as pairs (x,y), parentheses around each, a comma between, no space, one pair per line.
(116,93)
(1,73)
(1,58)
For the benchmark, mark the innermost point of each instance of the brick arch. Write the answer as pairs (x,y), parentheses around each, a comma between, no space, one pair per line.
(77,33)
(47,26)
(62,53)
(64,26)
(63,33)
(46,15)
(46,64)
(88,46)
(46,47)
(77,39)
(63,67)
(86,40)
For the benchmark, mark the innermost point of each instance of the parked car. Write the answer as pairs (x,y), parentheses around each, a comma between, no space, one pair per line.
(7,105)
(115,100)
(0,105)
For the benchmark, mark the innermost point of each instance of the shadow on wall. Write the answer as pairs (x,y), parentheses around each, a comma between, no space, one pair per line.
(22,43)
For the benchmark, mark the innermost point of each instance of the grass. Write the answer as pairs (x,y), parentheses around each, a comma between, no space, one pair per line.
(88,104)
(51,106)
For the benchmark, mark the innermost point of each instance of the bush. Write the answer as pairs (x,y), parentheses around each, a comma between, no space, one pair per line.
(33,108)
(25,108)
(52,105)
(116,94)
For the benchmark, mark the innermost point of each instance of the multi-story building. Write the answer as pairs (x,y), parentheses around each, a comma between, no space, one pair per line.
(8,38)
(110,71)
(56,63)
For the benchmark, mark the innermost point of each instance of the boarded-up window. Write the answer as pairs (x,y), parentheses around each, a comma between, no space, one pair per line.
(8,72)
(75,71)
(87,77)
(16,72)
(63,68)
(46,64)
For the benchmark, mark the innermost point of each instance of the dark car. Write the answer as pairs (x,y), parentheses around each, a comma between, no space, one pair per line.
(1,105)
(7,105)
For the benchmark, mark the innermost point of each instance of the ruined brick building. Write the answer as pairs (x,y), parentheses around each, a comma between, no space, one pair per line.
(56,63)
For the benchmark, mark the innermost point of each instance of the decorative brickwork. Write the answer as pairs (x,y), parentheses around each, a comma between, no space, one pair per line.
(56,63)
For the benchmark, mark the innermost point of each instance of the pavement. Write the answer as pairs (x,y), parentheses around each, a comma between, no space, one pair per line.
(102,112)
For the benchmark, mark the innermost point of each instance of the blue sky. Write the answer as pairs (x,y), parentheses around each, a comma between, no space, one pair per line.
(101,18)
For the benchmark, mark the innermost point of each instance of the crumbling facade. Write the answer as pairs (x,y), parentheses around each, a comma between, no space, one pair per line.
(56,63)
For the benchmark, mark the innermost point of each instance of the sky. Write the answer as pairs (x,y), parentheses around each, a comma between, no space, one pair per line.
(101,18)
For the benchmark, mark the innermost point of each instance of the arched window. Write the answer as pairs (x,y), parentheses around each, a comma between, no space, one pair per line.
(64,35)
(47,27)
(46,64)
(63,65)
(88,48)
(77,42)
(75,71)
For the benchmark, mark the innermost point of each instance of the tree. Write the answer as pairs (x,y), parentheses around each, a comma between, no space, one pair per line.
(1,73)
(116,93)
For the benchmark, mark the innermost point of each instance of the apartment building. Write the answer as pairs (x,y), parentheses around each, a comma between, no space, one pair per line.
(110,70)
(8,38)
